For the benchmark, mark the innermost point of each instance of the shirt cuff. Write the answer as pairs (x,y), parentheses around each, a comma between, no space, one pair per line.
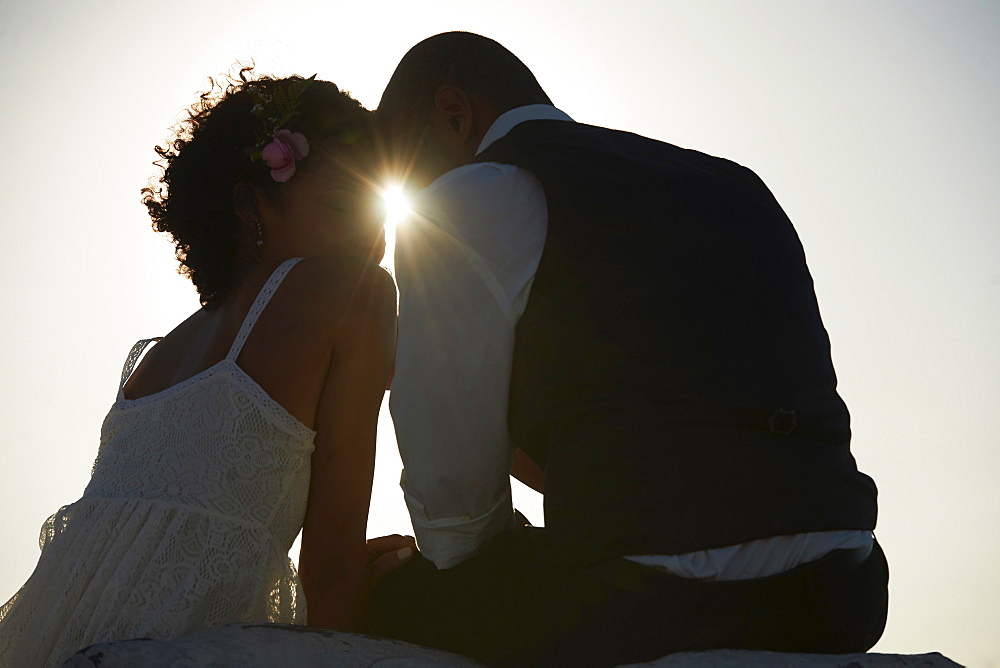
(448,541)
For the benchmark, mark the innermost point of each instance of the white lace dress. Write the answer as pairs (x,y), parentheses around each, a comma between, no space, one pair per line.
(196,496)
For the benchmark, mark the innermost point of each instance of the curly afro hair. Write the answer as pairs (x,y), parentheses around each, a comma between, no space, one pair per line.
(209,155)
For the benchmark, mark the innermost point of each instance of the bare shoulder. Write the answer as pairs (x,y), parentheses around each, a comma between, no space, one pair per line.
(350,306)
(336,289)
(352,279)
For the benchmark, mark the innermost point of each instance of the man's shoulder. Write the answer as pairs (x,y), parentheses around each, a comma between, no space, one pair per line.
(540,145)
(480,191)
(496,213)
(473,179)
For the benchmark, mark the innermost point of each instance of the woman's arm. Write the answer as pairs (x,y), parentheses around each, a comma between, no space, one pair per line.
(333,561)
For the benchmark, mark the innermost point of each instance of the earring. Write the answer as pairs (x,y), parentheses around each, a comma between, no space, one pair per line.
(255,219)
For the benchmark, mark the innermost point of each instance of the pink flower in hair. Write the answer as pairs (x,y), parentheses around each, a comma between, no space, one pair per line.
(280,155)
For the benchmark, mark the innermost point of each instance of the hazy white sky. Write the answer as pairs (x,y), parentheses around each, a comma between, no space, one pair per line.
(875,124)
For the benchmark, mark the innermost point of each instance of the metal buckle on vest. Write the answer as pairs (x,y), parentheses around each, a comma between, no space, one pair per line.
(782,421)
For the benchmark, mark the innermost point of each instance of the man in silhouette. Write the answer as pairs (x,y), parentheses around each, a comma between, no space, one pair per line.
(631,328)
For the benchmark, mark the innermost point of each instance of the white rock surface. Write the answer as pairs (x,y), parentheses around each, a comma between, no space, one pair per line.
(266,645)
(737,658)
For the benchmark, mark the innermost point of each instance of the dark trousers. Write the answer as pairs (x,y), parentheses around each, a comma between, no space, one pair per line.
(518,603)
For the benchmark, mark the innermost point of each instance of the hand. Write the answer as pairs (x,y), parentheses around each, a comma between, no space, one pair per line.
(527,471)
(387,553)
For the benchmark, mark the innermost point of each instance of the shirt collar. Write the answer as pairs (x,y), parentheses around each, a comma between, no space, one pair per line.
(507,120)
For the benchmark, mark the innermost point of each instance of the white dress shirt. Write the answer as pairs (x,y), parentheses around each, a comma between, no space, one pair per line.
(464,264)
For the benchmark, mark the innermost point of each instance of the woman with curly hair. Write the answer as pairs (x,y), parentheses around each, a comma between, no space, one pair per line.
(256,416)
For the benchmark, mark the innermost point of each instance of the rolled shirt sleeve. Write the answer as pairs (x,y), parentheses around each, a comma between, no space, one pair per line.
(464,264)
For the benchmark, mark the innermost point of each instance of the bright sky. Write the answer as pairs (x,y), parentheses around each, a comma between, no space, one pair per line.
(875,124)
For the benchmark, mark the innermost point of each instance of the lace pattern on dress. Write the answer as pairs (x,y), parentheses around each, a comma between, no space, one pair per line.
(196,495)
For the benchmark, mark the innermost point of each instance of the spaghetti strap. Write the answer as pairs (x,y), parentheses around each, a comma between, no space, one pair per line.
(133,357)
(263,297)
(196,489)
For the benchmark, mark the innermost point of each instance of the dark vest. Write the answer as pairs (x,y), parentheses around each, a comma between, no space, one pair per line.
(671,371)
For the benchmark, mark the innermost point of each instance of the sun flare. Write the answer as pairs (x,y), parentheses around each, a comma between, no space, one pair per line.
(396,206)
(396,209)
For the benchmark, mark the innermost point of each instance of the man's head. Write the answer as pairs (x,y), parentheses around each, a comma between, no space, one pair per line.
(444,95)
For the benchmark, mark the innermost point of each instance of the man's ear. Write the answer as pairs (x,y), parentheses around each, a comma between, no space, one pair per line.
(454,107)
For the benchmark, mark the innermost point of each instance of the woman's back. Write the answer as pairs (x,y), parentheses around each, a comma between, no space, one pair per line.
(255,417)
(196,496)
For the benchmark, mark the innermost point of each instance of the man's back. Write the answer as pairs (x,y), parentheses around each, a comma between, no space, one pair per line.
(643,318)
(671,371)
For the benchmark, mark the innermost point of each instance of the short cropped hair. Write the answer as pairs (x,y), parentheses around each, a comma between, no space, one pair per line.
(474,63)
